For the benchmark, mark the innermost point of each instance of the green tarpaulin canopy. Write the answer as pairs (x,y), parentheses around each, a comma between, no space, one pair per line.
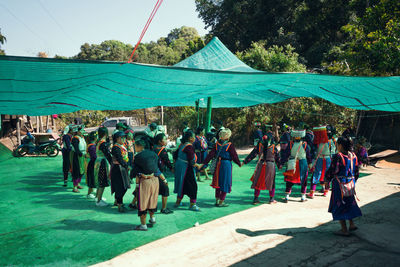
(38,86)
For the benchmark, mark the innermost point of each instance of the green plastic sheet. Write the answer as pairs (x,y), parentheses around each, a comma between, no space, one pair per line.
(39,86)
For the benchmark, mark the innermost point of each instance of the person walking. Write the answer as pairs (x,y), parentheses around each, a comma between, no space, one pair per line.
(343,173)
(224,152)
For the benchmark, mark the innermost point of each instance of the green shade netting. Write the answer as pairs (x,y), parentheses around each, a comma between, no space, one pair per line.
(215,56)
(36,86)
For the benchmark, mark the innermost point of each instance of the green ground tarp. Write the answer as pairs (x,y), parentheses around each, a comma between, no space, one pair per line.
(36,86)
(43,223)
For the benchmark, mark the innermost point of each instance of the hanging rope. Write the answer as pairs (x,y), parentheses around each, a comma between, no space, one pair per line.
(153,13)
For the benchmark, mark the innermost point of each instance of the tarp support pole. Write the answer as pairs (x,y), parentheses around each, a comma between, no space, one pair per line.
(198,113)
(162,115)
(208,116)
(18,130)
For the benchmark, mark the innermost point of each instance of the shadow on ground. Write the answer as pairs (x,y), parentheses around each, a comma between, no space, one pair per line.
(375,243)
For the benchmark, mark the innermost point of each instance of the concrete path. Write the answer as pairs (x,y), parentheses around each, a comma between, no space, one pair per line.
(292,234)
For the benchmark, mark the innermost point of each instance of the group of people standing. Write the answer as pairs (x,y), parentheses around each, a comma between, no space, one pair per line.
(310,154)
(144,160)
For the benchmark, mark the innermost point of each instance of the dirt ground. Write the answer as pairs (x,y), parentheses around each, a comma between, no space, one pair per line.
(292,234)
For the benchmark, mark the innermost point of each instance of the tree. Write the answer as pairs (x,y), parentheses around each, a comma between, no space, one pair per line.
(179,44)
(111,50)
(2,41)
(184,32)
(273,59)
(312,27)
(373,43)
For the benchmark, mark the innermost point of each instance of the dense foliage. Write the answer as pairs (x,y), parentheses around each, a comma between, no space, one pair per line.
(372,47)
(2,41)
(179,44)
(367,28)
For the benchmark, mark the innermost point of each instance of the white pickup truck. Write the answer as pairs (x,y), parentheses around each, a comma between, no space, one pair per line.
(110,123)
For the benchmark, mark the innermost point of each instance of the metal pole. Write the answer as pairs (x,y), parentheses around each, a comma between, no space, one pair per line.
(40,124)
(162,115)
(208,116)
(19,131)
(145,116)
(47,122)
(198,114)
(37,124)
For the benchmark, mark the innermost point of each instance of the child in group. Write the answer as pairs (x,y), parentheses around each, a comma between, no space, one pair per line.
(224,152)
(201,148)
(265,172)
(322,160)
(185,164)
(66,150)
(102,165)
(298,172)
(129,145)
(343,173)
(361,152)
(145,170)
(160,141)
(78,157)
(120,181)
(91,177)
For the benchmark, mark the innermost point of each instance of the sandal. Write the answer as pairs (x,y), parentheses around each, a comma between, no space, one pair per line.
(353,228)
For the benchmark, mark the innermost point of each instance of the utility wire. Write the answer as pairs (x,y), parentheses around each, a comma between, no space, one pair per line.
(54,19)
(23,23)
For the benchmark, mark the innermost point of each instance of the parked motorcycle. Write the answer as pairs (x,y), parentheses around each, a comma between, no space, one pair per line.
(50,148)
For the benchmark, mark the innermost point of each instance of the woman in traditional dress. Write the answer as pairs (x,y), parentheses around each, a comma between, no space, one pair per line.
(91,177)
(297,173)
(224,152)
(201,148)
(78,157)
(102,165)
(120,181)
(145,170)
(322,159)
(185,164)
(160,141)
(265,172)
(343,173)
(66,150)
(129,144)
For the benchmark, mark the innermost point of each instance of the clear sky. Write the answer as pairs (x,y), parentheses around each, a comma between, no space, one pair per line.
(62,26)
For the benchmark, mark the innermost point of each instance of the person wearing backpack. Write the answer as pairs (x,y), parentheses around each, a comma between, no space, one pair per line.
(343,173)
